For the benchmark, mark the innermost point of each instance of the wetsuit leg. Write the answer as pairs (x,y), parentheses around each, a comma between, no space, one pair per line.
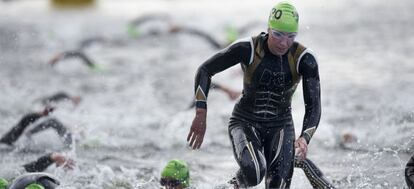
(313,174)
(248,152)
(61,130)
(279,152)
(14,134)
(409,173)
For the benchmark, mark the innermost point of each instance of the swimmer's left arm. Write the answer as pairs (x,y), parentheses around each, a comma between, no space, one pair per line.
(40,164)
(308,68)
(45,161)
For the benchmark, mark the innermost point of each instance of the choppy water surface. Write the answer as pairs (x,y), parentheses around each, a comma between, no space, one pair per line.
(133,116)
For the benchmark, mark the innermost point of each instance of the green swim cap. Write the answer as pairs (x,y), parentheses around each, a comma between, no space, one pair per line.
(284,17)
(231,34)
(3,183)
(177,169)
(133,31)
(34,186)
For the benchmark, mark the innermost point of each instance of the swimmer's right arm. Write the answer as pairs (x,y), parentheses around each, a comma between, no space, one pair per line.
(238,52)
(40,164)
(45,161)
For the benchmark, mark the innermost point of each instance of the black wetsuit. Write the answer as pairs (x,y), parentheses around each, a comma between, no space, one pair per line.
(261,127)
(60,129)
(35,174)
(409,173)
(78,54)
(40,164)
(10,137)
(14,134)
(60,96)
(212,86)
(313,174)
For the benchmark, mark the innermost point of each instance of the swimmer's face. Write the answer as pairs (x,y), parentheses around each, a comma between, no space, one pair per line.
(280,42)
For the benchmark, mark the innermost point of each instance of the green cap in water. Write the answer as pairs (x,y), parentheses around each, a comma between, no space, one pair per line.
(133,31)
(3,183)
(34,186)
(97,68)
(231,34)
(177,169)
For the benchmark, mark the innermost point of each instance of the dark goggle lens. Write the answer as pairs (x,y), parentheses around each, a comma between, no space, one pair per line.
(169,182)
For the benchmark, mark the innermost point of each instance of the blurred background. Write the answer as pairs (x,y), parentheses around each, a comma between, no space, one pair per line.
(137,88)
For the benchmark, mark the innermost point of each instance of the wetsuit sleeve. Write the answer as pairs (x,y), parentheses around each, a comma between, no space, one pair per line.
(213,86)
(203,35)
(81,55)
(56,97)
(62,131)
(238,52)
(308,68)
(16,131)
(40,164)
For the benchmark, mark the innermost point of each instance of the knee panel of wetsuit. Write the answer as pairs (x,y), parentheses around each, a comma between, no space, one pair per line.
(252,167)
(277,182)
(280,176)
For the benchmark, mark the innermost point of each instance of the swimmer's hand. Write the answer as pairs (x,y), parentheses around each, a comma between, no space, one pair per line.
(198,129)
(301,148)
